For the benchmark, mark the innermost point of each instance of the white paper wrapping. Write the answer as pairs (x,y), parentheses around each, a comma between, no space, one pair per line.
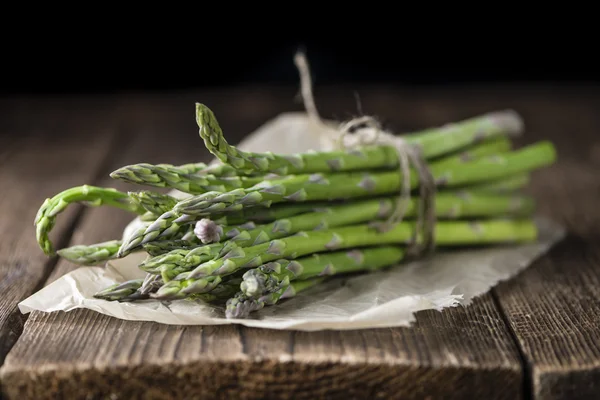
(381,299)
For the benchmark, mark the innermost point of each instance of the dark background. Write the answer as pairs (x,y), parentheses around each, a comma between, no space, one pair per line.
(67,65)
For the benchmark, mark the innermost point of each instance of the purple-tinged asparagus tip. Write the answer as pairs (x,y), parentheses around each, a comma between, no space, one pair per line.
(208,231)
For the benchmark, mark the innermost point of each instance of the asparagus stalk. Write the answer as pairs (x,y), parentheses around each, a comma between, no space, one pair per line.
(337,186)
(286,210)
(505,185)
(240,306)
(150,285)
(431,142)
(176,261)
(167,176)
(154,203)
(275,274)
(91,254)
(263,214)
(447,233)
(453,205)
(199,286)
(224,291)
(162,228)
(316,187)
(489,147)
(148,172)
(197,182)
(90,195)
(448,205)
(120,291)
(132,290)
(161,247)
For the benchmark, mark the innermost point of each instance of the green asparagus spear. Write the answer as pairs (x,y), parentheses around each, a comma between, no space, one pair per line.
(150,285)
(162,228)
(166,176)
(220,294)
(452,205)
(447,233)
(263,215)
(155,203)
(90,195)
(199,286)
(337,186)
(160,247)
(285,210)
(505,185)
(176,261)
(132,290)
(448,205)
(275,274)
(91,254)
(316,187)
(197,182)
(489,147)
(148,173)
(434,143)
(240,306)
(120,291)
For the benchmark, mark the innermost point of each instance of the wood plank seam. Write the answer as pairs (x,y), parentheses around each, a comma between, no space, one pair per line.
(526,370)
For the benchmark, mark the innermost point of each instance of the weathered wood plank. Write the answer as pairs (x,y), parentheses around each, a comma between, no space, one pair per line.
(448,354)
(82,354)
(553,307)
(40,156)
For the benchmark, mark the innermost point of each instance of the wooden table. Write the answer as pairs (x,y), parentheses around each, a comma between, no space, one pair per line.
(535,336)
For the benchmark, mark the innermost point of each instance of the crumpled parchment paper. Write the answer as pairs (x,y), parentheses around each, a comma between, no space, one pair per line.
(381,299)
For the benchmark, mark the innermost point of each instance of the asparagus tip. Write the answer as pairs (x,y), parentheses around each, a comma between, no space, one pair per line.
(240,306)
(208,231)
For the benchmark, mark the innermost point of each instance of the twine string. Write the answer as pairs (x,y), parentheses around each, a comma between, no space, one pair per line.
(366,130)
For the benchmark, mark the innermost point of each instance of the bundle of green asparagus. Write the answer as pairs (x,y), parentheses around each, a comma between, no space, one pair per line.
(253,229)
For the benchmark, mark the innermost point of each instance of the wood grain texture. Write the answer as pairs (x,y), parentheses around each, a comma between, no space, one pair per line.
(453,354)
(82,354)
(553,307)
(43,155)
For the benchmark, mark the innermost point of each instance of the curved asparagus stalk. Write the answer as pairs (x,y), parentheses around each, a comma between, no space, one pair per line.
(240,306)
(447,233)
(91,254)
(448,205)
(316,187)
(273,275)
(432,143)
(92,196)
